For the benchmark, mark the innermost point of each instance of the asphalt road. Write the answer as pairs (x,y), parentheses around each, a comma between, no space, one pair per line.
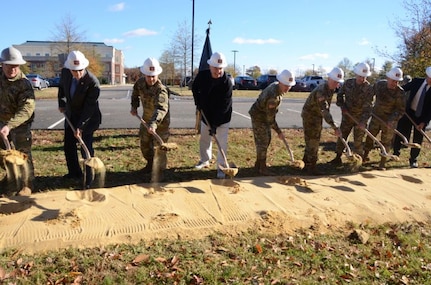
(115,107)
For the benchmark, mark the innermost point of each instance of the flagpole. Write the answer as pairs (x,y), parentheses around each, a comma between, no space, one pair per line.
(193,36)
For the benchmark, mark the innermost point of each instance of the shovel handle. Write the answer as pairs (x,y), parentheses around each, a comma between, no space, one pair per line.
(383,151)
(288,148)
(417,127)
(158,138)
(405,140)
(78,137)
(6,141)
(215,138)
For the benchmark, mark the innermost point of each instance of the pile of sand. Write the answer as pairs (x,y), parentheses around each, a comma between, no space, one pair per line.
(60,219)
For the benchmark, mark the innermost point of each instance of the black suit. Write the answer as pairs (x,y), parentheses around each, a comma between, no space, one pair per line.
(405,126)
(83,111)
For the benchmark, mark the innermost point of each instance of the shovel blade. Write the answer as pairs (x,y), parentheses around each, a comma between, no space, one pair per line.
(230,171)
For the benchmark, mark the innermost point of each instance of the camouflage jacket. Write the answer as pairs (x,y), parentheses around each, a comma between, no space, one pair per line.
(356,99)
(155,102)
(318,104)
(17,101)
(266,106)
(389,104)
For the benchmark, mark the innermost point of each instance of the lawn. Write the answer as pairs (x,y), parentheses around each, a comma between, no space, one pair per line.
(394,253)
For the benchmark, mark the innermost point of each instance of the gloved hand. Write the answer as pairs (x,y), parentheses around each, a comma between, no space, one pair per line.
(212,131)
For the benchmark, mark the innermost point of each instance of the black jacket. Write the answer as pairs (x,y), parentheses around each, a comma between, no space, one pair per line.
(83,109)
(413,86)
(213,97)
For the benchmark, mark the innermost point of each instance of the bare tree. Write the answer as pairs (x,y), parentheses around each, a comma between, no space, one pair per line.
(67,36)
(180,48)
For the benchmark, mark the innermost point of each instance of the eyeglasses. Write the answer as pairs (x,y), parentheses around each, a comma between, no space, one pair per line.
(77,70)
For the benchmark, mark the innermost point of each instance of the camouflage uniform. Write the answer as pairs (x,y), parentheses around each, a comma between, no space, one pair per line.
(389,106)
(316,108)
(17,104)
(263,113)
(358,101)
(155,103)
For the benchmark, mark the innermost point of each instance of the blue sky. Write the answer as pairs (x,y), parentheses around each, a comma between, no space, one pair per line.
(284,34)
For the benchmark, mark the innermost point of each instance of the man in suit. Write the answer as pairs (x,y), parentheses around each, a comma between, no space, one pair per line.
(418,108)
(78,96)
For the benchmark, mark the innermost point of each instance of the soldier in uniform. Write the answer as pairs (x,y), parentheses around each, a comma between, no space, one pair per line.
(389,106)
(315,109)
(17,104)
(154,97)
(355,97)
(263,113)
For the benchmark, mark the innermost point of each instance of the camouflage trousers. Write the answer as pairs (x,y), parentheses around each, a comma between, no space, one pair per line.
(262,137)
(386,135)
(21,139)
(346,126)
(148,143)
(312,132)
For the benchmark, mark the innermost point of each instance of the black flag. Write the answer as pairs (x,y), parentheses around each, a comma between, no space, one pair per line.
(206,53)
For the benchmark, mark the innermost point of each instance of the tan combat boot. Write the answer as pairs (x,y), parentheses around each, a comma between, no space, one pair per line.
(263,169)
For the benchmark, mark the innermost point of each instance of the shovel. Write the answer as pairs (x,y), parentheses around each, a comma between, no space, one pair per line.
(356,159)
(164,146)
(93,162)
(405,140)
(417,127)
(296,163)
(383,151)
(230,170)
(16,167)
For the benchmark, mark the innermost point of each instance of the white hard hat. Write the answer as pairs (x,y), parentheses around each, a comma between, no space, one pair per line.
(217,60)
(395,73)
(362,69)
(12,56)
(286,77)
(428,71)
(151,67)
(76,61)
(337,74)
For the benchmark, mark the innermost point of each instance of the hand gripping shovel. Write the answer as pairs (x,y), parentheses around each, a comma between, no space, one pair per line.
(163,146)
(405,140)
(93,162)
(417,127)
(230,170)
(381,146)
(296,163)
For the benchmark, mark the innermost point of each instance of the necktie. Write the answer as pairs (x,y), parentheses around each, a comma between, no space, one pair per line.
(73,87)
(421,102)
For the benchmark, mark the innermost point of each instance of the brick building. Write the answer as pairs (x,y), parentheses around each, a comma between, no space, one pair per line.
(47,58)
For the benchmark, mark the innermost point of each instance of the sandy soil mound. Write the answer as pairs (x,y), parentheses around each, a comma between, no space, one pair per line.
(195,209)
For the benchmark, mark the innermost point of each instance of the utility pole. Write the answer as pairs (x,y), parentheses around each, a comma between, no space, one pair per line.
(234,63)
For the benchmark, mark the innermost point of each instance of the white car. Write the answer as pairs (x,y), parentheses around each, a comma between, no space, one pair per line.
(37,81)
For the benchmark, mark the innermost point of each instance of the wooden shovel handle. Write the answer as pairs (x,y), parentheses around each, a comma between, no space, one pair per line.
(81,142)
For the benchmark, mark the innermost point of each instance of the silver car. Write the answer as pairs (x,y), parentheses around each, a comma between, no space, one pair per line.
(37,81)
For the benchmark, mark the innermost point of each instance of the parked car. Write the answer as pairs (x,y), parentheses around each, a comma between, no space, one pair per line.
(265,79)
(231,78)
(37,81)
(245,82)
(54,82)
(300,86)
(186,81)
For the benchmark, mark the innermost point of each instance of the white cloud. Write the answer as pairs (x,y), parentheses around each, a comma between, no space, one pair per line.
(117,7)
(314,56)
(256,41)
(113,41)
(139,33)
(364,42)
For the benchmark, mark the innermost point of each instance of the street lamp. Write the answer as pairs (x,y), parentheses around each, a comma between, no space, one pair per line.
(313,68)
(234,62)
(374,62)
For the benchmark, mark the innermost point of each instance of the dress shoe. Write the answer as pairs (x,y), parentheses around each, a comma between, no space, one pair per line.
(414,164)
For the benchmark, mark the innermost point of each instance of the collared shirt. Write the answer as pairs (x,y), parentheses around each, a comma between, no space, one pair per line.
(415,100)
